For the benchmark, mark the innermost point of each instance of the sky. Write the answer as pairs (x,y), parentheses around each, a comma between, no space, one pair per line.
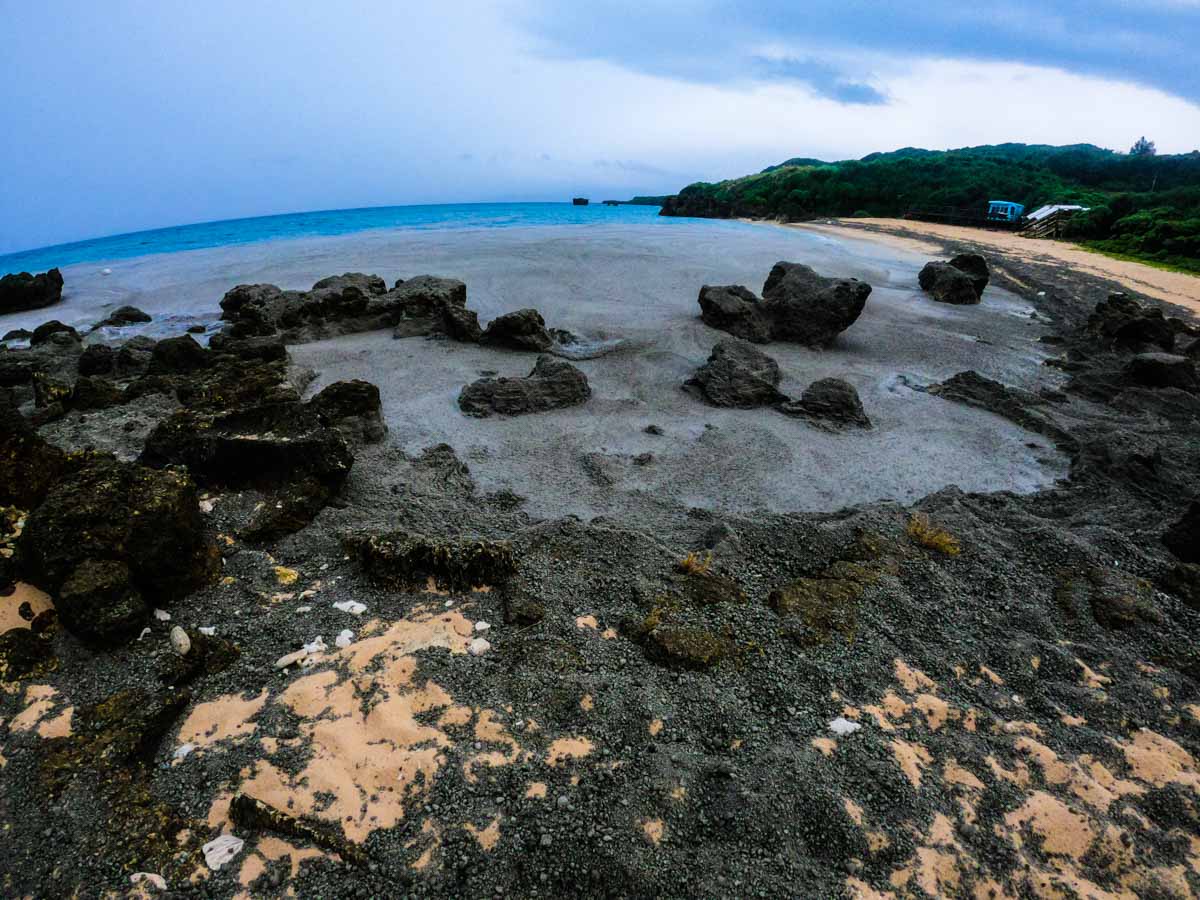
(133,114)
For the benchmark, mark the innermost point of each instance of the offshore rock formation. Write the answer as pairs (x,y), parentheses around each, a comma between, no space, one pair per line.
(797,305)
(524,329)
(829,403)
(960,281)
(22,291)
(737,375)
(552,384)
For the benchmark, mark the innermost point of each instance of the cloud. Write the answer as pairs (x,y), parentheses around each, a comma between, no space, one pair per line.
(708,41)
(823,79)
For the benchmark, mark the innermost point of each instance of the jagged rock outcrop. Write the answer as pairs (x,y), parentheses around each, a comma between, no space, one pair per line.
(552,384)
(44,332)
(737,375)
(1162,370)
(22,291)
(112,538)
(829,403)
(405,559)
(123,316)
(345,304)
(524,329)
(797,305)
(976,267)
(29,466)
(1019,407)
(354,409)
(1123,323)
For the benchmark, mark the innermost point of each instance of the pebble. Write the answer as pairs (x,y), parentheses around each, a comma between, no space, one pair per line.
(145,631)
(207,630)
(180,641)
(479,646)
(183,751)
(344,639)
(162,615)
(221,850)
(152,878)
(482,626)
(351,606)
(842,727)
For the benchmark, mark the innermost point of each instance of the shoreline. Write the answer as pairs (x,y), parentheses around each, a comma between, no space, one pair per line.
(1177,288)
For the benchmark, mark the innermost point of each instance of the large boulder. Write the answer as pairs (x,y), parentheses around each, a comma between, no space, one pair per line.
(946,283)
(524,329)
(975,266)
(737,375)
(808,308)
(98,359)
(44,332)
(797,305)
(354,409)
(1162,370)
(178,356)
(552,384)
(22,291)
(829,403)
(736,310)
(112,538)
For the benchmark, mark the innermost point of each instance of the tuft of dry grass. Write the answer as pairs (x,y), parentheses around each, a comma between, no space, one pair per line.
(696,563)
(932,537)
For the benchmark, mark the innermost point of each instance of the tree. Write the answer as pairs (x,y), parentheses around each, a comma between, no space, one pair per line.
(1143,147)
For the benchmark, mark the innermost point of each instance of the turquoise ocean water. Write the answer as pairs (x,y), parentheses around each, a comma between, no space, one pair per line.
(328,222)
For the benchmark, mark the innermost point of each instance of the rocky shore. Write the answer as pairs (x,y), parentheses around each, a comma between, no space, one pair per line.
(252,647)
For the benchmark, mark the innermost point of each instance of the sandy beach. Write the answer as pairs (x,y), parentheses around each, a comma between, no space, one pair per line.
(1178,288)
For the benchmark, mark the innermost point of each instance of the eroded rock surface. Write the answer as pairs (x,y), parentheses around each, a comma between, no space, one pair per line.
(552,384)
(829,403)
(737,375)
(22,291)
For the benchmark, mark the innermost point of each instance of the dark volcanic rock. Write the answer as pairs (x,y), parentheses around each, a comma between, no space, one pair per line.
(1020,407)
(948,284)
(552,384)
(122,316)
(17,334)
(405,559)
(1120,322)
(829,403)
(809,308)
(1183,538)
(91,393)
(99,602)
(43,332)
(107,513)
(461,324)
(975,266)
(345,304)
(737,375)
(28,464)
(261,349)
(178,356)
(521,330)
(255,446)
(354,409)
(1162,370)
(98,359)
(23,291)
(289,509)
(735,309)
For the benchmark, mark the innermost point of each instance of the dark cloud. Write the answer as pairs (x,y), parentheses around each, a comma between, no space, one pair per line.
(1151,42)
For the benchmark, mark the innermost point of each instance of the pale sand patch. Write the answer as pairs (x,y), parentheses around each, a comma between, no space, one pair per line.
(10,617)
(40,700)
(223,719)
(904,234)
(653,829)
(911,679)
(912,759)
(655,728)
(536,790)
(487,837)
(826,746)
(567,748)
(1062,831)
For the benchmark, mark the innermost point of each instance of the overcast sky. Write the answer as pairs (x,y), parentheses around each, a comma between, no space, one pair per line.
(129,114)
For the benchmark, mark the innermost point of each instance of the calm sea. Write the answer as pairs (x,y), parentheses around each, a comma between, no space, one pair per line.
(442,217)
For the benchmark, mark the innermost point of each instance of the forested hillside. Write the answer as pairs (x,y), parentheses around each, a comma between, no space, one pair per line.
(1143,205)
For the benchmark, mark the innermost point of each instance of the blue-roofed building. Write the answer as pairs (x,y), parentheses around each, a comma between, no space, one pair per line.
(1004,211)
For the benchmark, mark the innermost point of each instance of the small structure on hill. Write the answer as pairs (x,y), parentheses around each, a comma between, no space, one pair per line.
(1047,221)
(1004,211)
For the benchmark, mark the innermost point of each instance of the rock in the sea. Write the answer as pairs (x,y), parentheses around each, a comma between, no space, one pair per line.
(22,291)
(122,316)
(404,559)
(1123,323)
(1183,537)
(947,283)
(1162,370)
(552,384)
(797,305)
(735,309)
(737,375)
(829,403)
(17,334)
(111,536)
(521,330)
(47,330)
(354,409)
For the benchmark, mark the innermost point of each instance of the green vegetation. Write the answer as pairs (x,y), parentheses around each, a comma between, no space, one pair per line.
(1143,206)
